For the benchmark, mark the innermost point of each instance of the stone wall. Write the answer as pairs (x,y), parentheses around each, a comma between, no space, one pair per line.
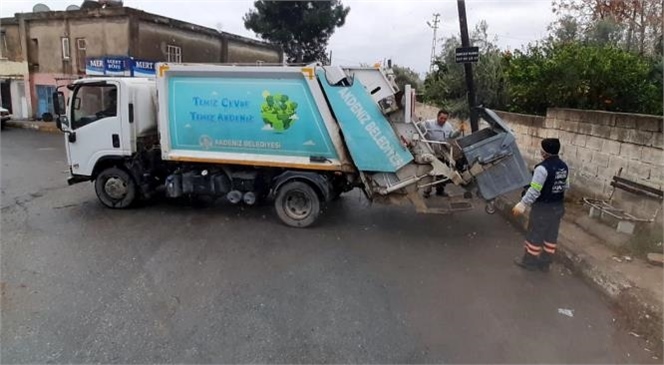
(425,111)
(596,145)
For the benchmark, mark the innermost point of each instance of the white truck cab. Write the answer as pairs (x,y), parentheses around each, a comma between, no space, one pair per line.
(106,116)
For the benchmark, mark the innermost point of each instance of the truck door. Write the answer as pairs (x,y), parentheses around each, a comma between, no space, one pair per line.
(96,125)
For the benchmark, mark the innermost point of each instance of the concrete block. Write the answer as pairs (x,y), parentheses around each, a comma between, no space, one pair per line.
(625,121)
(639,170)
(604,118)
(651,124)
(594,143)
(606,174)
(568,125)
(579,140)
(565,137)
(552,133)
(590,170)
(630,151)
(616,163)
(600,159)
(652,156)
(584,128)
(574,114)
(536,143)
(619,134)
(657,177)
(583,155)
(611,147)
(657,140)
(643,138)
(549,123)
(568,152)
(626,227)
(601,131)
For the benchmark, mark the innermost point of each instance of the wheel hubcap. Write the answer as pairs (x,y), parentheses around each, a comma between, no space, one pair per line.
(116,188)
(297,205)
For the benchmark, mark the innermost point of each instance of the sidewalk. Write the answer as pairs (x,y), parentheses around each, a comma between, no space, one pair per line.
(634,287)
(28,124)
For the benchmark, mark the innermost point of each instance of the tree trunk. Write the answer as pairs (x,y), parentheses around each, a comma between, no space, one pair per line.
(630,30)
(642,38)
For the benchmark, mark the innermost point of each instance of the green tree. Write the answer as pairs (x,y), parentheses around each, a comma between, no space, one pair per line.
(633,25)
(582,76)
(446,86)
(301,28)
(406,76)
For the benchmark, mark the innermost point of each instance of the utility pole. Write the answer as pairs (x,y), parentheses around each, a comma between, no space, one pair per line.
(434,25)
(470,84)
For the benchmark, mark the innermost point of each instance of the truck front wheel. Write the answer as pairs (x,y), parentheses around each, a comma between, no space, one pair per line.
(297,204)
(115,188)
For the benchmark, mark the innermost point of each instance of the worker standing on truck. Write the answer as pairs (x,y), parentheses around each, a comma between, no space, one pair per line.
(440,130)
(546,196)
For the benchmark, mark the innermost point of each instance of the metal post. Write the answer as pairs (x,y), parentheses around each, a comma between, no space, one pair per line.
(434,26)
(470,84)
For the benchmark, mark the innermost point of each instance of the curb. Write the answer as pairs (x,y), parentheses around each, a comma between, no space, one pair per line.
(642,312)
(37,126)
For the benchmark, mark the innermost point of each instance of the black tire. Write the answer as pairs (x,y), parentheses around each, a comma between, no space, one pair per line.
(297,204)
(115,188)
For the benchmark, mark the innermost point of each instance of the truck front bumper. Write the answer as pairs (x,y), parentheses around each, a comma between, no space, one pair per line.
(75,179)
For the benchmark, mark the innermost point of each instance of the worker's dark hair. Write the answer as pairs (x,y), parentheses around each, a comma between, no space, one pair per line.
(442,111)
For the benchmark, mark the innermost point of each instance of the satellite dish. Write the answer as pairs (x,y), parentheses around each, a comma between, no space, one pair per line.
(73,8)
(90,4)
(40,8)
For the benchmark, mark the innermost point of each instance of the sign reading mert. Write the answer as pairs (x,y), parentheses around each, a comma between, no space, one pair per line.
(467,54)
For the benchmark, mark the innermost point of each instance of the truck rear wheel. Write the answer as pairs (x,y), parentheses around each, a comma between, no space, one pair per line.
(297,204)
(115,188)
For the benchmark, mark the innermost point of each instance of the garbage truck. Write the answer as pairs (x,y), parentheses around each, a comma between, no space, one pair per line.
(292,135)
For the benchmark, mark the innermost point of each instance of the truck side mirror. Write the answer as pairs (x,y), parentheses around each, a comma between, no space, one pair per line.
(59,105)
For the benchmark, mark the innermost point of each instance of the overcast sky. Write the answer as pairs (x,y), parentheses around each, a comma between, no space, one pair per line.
(374,30)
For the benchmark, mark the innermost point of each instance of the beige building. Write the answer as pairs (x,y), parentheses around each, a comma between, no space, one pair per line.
(41,51)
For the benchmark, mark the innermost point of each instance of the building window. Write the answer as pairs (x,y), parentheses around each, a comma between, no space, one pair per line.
(3,45)
(65,48)
(81,47)
(33,53)
(174,54)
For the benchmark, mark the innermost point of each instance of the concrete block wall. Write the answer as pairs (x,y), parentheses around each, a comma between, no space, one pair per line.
(596,145)
(425,111)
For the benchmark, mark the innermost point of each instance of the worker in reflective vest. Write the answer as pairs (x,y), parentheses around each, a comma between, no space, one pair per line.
(546,196)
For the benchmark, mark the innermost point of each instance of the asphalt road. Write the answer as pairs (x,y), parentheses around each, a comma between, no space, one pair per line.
(171,283)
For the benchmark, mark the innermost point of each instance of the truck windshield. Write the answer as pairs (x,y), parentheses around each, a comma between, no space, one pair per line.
(92,103)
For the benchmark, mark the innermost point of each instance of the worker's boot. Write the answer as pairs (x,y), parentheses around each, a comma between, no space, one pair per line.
(528,262)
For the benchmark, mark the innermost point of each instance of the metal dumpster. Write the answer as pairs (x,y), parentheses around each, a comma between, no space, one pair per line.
(496,148)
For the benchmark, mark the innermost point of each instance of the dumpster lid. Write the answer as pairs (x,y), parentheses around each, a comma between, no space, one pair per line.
(493,119)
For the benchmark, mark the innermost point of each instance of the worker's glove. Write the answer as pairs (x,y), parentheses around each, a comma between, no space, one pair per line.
(518,209)
(463,128)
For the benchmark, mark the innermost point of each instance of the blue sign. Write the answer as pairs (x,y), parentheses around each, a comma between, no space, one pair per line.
(243,115)
(94,66)
(142,68)
(370,139)
(117,66)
